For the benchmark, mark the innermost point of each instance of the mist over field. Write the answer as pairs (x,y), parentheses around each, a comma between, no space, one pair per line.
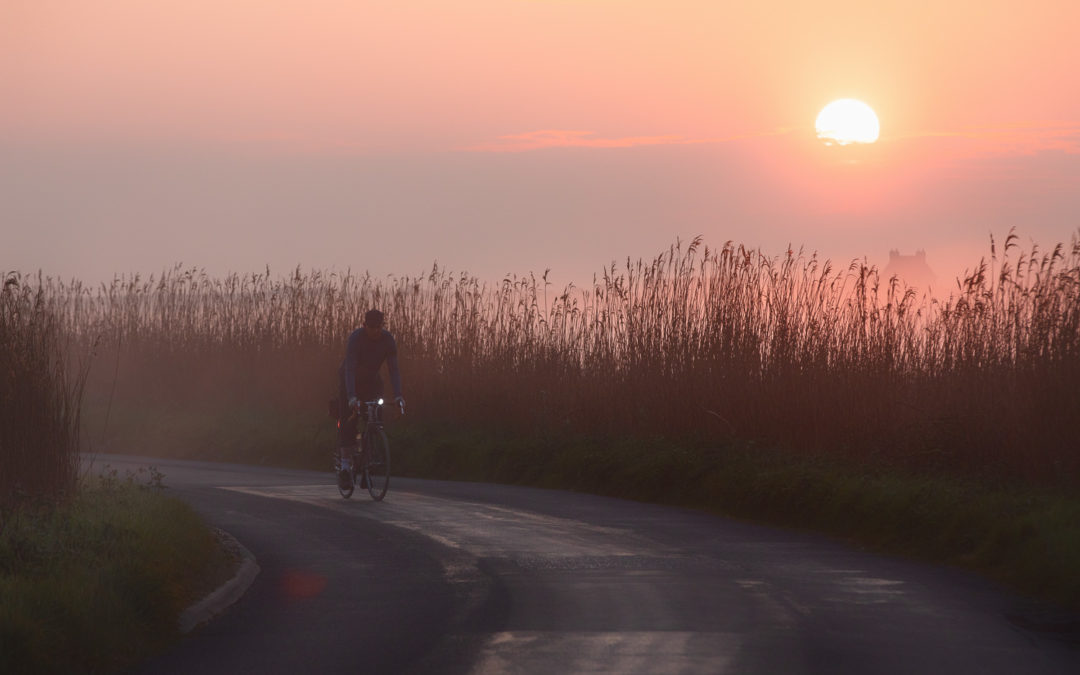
(98,211)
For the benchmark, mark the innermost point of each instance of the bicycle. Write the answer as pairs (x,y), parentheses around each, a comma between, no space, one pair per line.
(368,464)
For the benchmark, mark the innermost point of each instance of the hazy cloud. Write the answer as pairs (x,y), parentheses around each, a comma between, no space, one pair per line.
(565,138)
(1022,138)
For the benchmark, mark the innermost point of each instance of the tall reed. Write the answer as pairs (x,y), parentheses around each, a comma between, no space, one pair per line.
(40,397)
(712,343)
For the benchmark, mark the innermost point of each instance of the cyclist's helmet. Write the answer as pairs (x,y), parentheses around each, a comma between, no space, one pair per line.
(373,318)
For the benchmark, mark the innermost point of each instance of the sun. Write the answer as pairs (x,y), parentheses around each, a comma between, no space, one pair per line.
(847,121)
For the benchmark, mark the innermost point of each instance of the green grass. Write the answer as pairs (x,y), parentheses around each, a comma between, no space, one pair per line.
(98,583)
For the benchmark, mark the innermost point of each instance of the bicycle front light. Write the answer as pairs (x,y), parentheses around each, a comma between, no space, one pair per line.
(380,401)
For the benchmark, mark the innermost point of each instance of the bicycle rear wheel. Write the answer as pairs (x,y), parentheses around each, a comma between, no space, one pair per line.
(377,466)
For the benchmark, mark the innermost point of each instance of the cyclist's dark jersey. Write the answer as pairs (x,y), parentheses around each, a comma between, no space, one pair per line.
(359,372)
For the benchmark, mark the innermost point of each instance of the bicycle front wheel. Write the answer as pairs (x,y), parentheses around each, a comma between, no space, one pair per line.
(377,466)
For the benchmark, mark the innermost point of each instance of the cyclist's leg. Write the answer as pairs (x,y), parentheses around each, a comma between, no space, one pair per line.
(346,427)
(368,391)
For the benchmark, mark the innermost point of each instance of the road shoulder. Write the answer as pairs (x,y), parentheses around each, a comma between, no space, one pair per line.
(224,596)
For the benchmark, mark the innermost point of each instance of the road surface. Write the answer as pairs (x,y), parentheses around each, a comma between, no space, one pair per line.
(476,578)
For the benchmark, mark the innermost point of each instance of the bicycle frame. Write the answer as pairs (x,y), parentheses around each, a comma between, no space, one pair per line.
(360,466)
(373,416)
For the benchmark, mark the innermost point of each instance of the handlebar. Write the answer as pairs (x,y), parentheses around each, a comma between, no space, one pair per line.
(375,403)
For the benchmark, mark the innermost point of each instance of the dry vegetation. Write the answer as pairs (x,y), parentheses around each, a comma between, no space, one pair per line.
(93,573)
(40,398)
(699,343)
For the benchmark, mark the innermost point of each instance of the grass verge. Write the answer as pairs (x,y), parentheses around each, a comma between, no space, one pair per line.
(97,584)
(1025,537)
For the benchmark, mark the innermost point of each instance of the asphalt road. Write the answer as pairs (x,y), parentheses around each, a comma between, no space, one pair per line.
(475,578)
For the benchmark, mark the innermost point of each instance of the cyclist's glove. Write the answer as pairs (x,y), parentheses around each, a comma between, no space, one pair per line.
(353,402)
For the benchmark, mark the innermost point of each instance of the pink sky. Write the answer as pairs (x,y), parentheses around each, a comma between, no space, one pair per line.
(507,136)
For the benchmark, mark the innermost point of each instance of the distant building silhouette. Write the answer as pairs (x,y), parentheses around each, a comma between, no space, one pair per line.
(912,269)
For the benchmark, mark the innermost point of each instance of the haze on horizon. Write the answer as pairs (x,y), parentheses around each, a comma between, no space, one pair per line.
(509,136)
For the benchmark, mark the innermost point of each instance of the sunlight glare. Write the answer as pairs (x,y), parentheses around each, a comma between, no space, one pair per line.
(847,121)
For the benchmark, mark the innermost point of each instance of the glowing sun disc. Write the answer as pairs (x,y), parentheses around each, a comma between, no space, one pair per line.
(847,121)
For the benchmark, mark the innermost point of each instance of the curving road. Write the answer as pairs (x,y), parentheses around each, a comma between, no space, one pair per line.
(476,578)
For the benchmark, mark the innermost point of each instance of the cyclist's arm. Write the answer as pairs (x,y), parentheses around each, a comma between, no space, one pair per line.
(395,374)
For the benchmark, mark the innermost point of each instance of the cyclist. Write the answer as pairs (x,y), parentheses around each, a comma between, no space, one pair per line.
(366,350)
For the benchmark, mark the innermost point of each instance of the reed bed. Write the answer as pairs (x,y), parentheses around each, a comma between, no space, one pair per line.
(40,397)
(703,343)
